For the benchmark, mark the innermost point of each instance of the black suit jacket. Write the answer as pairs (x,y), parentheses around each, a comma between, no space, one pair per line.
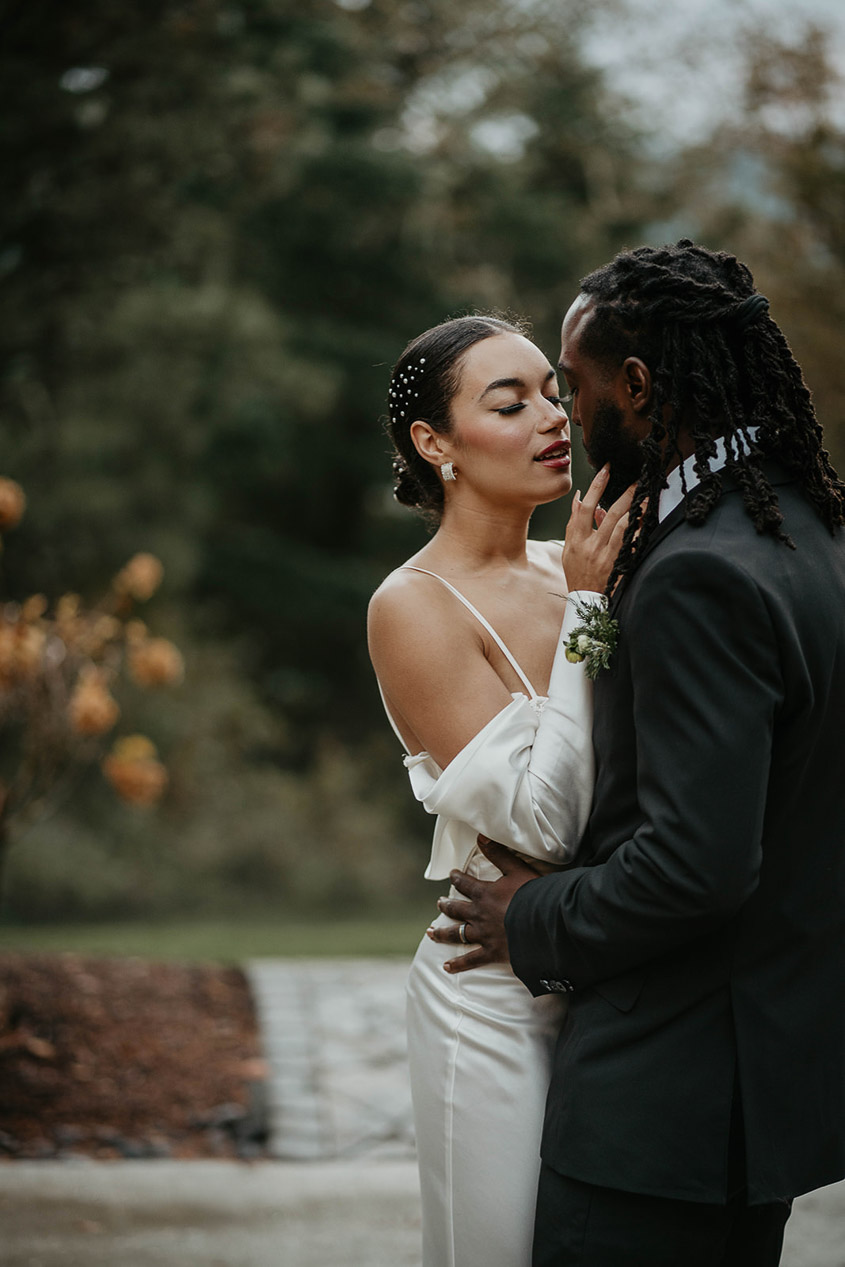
(702,936)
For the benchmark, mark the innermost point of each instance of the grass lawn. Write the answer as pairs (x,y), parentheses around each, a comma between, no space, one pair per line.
(230,940)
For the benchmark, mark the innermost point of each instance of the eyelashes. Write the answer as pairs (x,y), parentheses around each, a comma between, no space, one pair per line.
(507,410)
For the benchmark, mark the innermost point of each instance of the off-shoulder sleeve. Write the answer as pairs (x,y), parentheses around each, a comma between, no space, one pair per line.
(526,778)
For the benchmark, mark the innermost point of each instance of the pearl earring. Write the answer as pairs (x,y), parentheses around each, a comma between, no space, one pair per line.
(447,470)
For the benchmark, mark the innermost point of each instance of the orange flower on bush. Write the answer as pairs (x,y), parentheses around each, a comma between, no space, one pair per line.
(29,649)
(134,631)
(21,649)
(155,662)
(12,503)
(134,771)
(34,608)
(7,653)
(68,623)
(140,578)
(57,666)
(90,636)
(92,710)
(67,608)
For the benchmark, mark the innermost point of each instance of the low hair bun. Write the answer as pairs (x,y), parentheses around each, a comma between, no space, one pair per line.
(406,488)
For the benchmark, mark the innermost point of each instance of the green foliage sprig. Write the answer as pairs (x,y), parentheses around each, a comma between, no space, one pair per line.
(593,642)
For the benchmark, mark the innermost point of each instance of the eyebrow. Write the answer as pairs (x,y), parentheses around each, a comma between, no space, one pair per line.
(511,382)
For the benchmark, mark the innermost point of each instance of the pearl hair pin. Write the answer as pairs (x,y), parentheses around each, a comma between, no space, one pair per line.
(402,395)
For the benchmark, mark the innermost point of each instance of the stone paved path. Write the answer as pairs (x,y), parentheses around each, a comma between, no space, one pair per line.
(334,1037)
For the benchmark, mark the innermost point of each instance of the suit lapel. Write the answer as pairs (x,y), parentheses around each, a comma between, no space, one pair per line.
(773,472)
(662,530)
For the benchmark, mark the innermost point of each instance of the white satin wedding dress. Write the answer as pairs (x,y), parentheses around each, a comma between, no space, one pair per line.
(479,1045)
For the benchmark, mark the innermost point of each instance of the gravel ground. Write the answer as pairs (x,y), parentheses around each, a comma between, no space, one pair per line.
(127,1058)
(265,1214)
(209,1214)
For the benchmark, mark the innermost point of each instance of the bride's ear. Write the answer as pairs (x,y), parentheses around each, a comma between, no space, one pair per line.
(430,444)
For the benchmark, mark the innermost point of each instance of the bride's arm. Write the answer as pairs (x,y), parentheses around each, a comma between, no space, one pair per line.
(522,779)
(526,778)
(428,654)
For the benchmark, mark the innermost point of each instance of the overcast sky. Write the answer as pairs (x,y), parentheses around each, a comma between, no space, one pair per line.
(678,58)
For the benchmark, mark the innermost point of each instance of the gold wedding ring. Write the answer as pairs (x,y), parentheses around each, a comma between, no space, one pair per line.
(462,933)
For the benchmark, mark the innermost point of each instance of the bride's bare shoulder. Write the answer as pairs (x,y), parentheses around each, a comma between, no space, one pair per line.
(397,588)
(547,555)
(404,598)
(545,549)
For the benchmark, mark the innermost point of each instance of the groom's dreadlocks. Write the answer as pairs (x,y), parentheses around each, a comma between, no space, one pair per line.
(722,366)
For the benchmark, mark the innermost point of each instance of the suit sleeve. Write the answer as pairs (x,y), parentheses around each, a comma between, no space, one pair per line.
(707,685)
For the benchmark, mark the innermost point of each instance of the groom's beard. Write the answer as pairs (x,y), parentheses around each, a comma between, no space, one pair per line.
(610,442)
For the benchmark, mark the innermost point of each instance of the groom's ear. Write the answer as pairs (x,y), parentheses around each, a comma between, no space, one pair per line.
(638,385)
(430,444)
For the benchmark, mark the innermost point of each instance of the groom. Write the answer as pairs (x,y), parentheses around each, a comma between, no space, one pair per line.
(699,1080)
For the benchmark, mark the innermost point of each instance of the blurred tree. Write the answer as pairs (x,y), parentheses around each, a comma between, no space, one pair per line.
(795,97)
(418,189)
(226,221)
(222,222)
(771,187)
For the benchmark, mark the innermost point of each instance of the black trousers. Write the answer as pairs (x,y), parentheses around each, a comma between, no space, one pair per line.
(583,1225)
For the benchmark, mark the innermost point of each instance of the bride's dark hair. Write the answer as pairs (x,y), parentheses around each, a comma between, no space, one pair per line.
(423,385)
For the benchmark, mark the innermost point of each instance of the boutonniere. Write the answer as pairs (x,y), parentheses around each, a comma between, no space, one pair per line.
(594,640)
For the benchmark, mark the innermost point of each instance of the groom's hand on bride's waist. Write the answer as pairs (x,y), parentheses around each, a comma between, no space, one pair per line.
(480,914)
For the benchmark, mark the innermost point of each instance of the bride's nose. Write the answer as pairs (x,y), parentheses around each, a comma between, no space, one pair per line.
(556,418)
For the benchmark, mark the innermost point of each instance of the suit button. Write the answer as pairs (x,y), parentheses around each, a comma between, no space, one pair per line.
(557,987)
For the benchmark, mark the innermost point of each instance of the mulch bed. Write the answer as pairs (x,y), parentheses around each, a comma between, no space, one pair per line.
(116,1058)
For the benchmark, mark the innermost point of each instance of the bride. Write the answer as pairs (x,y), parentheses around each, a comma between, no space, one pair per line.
(466,641)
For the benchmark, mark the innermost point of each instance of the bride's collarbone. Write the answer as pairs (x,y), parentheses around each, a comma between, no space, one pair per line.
(525,609)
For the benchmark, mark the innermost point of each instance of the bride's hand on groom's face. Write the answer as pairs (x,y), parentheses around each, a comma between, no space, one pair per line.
(594,536)
(481,917)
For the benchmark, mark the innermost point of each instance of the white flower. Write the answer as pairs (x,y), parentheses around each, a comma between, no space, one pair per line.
(594,641)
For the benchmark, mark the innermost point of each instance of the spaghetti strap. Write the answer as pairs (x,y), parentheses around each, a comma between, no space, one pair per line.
(408,567)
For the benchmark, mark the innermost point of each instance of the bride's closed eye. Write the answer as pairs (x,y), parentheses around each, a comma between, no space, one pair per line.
(554,400)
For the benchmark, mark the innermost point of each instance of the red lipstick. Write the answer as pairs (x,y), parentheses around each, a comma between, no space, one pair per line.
(555,456)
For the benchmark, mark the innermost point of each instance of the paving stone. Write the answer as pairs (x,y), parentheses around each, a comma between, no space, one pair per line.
(334,1037)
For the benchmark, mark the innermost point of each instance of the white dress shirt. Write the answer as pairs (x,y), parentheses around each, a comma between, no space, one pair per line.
(673,494)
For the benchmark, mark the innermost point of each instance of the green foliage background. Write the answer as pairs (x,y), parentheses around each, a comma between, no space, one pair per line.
(222,222)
